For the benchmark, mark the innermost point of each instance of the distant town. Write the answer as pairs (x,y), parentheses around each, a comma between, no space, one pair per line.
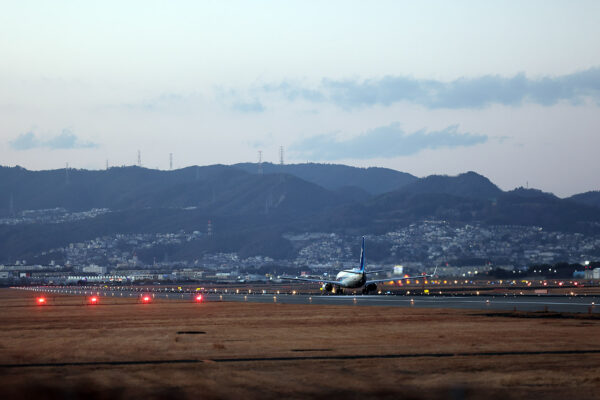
(471,250)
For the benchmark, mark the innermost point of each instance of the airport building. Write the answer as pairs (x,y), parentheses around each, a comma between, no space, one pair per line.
(94,269)
(592,273)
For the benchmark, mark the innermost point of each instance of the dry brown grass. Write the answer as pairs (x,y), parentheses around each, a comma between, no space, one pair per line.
(122,330)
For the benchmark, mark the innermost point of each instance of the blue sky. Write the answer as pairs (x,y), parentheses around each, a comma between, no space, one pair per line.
(508,89)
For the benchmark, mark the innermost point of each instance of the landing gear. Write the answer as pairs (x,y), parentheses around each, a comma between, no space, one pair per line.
(369,288)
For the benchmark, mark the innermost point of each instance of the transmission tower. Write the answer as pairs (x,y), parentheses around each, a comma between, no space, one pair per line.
(280,155)
(260,168)
(67,174)
(170,161)
(139,158)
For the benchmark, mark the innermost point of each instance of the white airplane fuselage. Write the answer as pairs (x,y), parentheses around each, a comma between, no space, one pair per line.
(351,280)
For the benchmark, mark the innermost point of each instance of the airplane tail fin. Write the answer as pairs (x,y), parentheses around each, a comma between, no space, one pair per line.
(431,275)
(362,255)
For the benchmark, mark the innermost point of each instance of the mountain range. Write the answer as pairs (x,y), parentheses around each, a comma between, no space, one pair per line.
(251,203)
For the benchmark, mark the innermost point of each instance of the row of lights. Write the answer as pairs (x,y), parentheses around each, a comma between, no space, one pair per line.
(42,301)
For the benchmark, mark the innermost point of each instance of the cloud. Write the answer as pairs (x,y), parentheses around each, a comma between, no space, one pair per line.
(165,100)
(294,91)
(248,107)
(382,142)
(460,93)
(25,141)
(65,140)
(239,102)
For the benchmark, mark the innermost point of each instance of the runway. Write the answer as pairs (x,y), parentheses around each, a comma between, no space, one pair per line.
(571,304)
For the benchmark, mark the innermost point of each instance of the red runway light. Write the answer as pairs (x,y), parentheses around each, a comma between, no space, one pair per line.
(93,300)
(146,299)
(41,300)
(199,298)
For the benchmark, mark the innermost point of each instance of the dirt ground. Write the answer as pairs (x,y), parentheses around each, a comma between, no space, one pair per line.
(120,349)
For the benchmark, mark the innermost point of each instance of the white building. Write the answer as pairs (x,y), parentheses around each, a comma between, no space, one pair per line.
(94,269)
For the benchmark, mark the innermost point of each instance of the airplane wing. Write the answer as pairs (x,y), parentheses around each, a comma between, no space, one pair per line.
(382,280)
(310,280)
(398,278)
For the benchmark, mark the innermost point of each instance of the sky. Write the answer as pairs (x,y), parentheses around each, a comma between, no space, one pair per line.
(509,89)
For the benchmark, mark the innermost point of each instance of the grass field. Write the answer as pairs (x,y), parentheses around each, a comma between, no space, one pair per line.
(182,350)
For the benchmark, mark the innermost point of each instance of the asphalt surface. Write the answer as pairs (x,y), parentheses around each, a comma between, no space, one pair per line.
(571,304)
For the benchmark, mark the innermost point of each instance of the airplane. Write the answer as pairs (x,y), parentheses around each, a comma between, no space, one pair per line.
(355,278)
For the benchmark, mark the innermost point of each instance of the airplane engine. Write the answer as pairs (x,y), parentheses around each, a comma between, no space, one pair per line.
(372,287)
(328,287)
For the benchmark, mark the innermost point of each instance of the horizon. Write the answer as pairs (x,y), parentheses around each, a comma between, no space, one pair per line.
(527,186)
